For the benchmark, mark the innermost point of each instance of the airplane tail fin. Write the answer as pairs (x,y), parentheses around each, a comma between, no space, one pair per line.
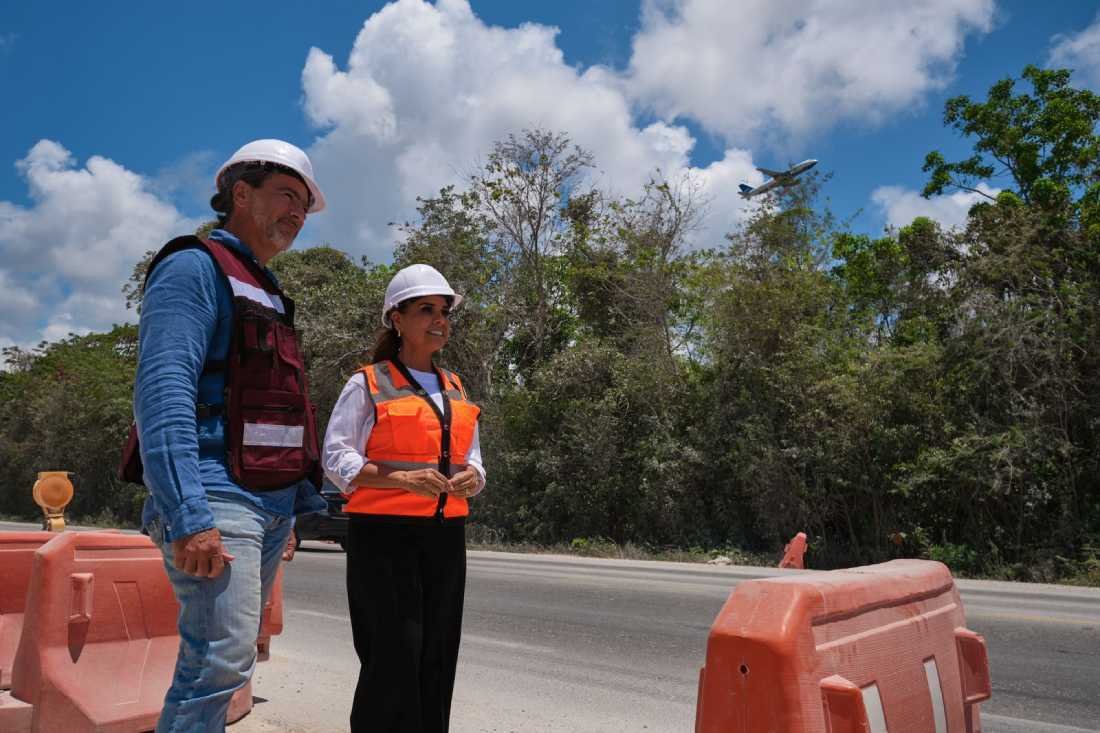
(745,190)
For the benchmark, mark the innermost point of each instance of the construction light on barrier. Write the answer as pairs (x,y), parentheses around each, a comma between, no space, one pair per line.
(53,491)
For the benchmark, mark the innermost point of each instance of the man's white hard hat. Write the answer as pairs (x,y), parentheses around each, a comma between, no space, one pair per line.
(283,153)
(416,281)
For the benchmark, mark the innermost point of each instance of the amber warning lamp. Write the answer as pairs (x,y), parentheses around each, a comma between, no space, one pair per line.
(53,491)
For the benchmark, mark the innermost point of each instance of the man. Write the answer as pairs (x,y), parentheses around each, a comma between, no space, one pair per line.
(226,431)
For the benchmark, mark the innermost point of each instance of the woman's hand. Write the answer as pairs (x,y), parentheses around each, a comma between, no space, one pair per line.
(423,482)
(464,483)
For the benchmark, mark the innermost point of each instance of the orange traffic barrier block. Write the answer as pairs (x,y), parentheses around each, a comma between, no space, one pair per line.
(794,552)
(16,558)
(867,650)
(99,638)
(271,622)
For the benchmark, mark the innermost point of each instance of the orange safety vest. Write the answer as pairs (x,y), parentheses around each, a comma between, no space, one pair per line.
(410,433)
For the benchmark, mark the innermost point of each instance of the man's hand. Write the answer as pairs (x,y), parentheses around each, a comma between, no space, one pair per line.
(424,482)
(291,546)
(463,483)
(201,554)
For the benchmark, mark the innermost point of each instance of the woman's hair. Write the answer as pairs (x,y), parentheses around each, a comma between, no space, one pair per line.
(386,345)
(386,341)
(254,173)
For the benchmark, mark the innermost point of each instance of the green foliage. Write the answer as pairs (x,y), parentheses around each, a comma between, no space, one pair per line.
(338,305)
(962,559)
(924,393)
(68,407)
(134,288)
(1046,141)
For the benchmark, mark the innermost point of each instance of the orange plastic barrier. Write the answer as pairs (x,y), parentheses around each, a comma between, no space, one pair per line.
(794,552)
(99,636)
(16,558)
(867,650)
(271,623)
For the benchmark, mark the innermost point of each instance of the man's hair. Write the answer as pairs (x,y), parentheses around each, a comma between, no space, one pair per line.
(254,173)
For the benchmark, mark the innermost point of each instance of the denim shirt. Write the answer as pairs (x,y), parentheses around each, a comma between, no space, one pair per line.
(186,320)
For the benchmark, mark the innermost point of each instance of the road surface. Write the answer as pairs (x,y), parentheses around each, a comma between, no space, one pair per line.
(554,644)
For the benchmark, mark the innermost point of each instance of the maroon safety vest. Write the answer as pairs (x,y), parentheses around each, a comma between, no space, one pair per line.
(271,430)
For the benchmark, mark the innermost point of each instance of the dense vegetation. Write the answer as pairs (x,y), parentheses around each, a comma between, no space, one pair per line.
(926,393)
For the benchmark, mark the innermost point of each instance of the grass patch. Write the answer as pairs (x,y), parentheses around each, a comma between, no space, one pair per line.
(479,537)
(960,559)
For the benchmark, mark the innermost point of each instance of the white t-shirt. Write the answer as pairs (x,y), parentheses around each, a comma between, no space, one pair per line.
(351,424)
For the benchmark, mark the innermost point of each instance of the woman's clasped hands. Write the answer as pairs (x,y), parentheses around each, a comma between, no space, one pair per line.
(430,482)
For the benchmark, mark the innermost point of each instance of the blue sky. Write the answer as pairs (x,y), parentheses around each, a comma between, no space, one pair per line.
(118,113)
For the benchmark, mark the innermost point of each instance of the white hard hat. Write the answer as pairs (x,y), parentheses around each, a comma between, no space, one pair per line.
(283,153)
(415,281)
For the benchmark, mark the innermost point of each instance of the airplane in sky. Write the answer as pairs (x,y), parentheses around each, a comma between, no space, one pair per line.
(777,179)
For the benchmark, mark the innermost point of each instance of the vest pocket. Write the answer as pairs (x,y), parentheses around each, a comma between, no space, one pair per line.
(286,344)
(414,432)
(463,421)
(256,335)
(273,434)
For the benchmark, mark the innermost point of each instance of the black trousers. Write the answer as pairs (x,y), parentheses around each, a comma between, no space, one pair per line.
(406,583)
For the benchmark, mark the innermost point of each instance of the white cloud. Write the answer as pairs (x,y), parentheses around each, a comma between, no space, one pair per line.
(426,91)
(900,205)
(63,260)
(15,301)
(428,88)
(757,67)
(1080,52)
(719,183)
(188,181)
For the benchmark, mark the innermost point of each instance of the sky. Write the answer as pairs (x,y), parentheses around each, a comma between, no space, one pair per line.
(116,115)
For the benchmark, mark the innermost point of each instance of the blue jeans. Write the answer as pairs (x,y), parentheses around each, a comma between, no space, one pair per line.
(220,618)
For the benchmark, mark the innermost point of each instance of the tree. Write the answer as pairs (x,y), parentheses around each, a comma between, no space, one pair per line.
(502,241)
(780,335)
(134,288)
(521,193)
(631,275)
(898,285)
(68,407)
(454,236)
(1017,472)
(338,307)
(1045,141)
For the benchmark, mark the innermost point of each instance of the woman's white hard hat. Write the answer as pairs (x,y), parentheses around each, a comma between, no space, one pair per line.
(283,153)
(416,281)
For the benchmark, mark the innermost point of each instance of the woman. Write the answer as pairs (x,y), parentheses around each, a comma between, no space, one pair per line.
(402,442)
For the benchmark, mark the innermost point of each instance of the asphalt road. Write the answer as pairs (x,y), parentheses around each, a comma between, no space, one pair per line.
(554,644)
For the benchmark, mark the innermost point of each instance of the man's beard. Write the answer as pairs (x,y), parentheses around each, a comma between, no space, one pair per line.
(279,239)
(273,233)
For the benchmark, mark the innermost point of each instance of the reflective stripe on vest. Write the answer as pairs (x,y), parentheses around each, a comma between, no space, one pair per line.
(407,435)
(256,295)
(271,436)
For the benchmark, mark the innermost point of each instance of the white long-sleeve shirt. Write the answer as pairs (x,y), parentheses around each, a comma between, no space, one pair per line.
(351,423)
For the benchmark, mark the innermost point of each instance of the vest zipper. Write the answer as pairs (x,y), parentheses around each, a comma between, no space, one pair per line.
(444,417)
